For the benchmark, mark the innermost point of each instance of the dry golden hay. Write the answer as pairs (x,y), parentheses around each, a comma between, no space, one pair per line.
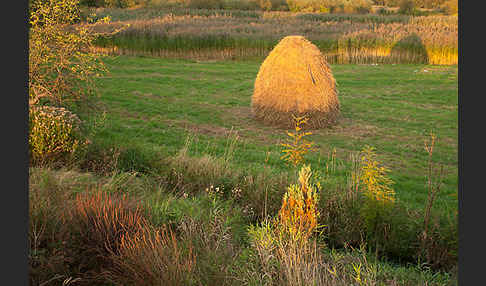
(295,79)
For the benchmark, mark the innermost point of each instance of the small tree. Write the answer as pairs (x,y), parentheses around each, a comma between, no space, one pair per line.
(62,65)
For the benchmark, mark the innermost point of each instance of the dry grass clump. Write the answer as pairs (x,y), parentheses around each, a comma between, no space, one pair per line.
(76,237)
(97,223)
(295,79)
(152,257)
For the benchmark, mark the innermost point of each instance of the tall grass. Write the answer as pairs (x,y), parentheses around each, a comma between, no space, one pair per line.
(192,237)
(245,34)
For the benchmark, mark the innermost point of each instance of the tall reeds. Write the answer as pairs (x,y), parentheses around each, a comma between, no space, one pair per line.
(220,34)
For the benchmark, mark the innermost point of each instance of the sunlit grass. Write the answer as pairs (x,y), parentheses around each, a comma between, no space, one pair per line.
(152,104)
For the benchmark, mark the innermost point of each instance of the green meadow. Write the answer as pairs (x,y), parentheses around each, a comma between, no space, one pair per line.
(154,104)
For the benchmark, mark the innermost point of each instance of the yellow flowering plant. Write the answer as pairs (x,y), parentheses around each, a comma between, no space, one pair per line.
(299,212)
(53,132)
(373,177)
(297,146)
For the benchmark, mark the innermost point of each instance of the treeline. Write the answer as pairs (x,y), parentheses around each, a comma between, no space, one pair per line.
(322,6)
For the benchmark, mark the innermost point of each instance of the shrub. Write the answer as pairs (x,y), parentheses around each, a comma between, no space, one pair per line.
(269,5)
(406,7)
(297,146)
(362,6)
(305,5)
(451,7)
(61,64)
(382,11)
(53,133)
(92,3)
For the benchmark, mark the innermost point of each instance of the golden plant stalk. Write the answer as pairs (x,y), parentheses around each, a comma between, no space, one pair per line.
(298,214)
(297,145)
(435,176)
(373,177)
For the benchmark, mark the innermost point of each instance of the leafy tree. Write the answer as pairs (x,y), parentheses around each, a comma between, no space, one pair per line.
(62,64)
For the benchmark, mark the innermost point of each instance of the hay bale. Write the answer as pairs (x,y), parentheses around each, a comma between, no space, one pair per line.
(295,79)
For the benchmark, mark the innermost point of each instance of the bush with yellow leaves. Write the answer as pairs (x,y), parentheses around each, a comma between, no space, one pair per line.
(61,64)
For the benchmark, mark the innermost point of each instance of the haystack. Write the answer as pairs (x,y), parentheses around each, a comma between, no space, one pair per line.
(295,79)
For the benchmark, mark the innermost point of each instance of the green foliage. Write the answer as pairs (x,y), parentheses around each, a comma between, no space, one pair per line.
(53,133)
(304,5)
(272,5)
(120,3)
(330,6)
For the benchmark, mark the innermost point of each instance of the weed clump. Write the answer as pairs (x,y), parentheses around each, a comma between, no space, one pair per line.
(298,214)
(53,133)
(297,146)
(373,177)
(286,251)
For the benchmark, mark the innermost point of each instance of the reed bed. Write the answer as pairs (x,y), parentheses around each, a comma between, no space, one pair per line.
(206,34)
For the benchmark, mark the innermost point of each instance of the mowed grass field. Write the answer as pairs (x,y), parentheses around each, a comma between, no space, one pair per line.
(154,105)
